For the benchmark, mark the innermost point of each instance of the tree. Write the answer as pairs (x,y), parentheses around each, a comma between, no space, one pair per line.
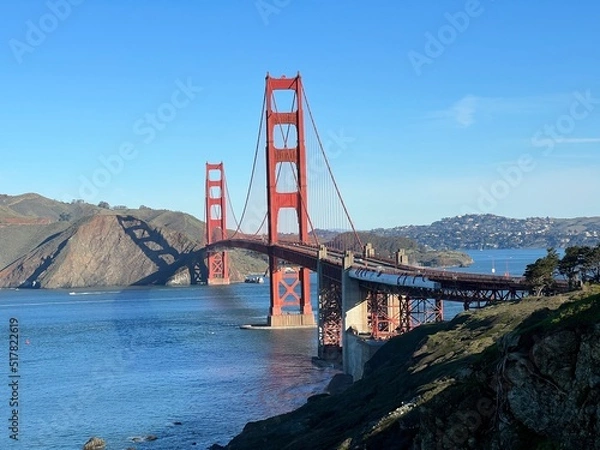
(540,274)
(572,264)
(581,263)
(64,217)
(591,264)
(104,205)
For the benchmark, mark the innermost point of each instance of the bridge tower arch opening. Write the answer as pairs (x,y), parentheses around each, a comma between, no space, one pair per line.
(286,153)
(216,223)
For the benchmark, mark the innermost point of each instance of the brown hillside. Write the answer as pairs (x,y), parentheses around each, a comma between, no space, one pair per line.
(104,250)
(30,221)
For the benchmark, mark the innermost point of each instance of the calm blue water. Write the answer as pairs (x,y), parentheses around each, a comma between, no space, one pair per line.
(496,262)
(503,261)
(125,363)
(133,362)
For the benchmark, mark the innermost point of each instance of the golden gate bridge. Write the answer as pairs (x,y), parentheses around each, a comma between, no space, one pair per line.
(359,293)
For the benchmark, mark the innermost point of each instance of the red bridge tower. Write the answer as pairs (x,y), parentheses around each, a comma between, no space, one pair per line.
(216,224)
(289,287)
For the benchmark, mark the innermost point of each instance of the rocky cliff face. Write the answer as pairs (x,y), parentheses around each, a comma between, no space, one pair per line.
(513,376)
(538,389)
(551,387)
(103,250)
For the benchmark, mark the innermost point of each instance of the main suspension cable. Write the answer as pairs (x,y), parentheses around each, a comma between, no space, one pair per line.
(339,194)
(260,127)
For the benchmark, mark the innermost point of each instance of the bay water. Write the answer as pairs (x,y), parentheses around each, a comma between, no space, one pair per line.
(169,362)
(510,261)
(125,364)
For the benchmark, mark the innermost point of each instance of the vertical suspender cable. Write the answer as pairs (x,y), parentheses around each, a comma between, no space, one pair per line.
(260,127)
(356,236)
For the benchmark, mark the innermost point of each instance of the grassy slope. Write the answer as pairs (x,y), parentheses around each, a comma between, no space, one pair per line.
(17,240)
(434,367)
(34,205)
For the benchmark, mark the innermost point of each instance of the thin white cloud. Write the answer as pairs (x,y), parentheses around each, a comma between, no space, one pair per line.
(577,140)
(576,157)
(466,111)
(462,112)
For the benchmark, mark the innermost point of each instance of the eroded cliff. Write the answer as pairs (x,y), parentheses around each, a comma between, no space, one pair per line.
(102,250)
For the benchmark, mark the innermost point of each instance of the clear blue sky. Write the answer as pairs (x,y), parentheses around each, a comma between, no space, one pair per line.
(447,107)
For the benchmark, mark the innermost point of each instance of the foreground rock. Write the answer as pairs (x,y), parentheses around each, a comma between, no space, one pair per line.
(95,443)
(149,438)
(514,376)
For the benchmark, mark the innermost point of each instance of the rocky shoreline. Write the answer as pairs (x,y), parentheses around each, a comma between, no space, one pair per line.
(96,443)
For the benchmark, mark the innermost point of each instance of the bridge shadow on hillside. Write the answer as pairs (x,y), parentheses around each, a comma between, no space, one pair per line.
(167,258)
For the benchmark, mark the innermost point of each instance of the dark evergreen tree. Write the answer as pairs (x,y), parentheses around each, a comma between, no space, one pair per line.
(540,274)
(572,263)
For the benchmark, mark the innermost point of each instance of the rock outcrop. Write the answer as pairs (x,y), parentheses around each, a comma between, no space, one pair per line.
(102,250)
(522,375)
(94,443)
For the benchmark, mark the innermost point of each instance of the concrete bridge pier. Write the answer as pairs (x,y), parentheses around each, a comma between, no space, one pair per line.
(355,322)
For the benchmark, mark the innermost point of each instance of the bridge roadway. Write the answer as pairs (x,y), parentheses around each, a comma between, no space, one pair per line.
(385,274)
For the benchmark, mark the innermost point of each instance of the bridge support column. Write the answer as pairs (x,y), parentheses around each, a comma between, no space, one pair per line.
(406,311)
(439,310)
(401,258)
(385,314)
(216,224)
(287,289)
(330,310)
(355,350)
(285,284)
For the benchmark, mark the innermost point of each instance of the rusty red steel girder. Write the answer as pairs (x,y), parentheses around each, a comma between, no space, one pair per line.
(392,314)
(330,310)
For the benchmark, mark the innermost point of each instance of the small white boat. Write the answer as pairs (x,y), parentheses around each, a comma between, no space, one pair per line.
(254,279)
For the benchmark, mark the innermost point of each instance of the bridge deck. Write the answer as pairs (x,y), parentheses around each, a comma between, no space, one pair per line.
(386,272)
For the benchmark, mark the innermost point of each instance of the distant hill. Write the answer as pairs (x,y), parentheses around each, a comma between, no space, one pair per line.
(386,246)
(490,231)
(101,250)
(27,206)
(76,244)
